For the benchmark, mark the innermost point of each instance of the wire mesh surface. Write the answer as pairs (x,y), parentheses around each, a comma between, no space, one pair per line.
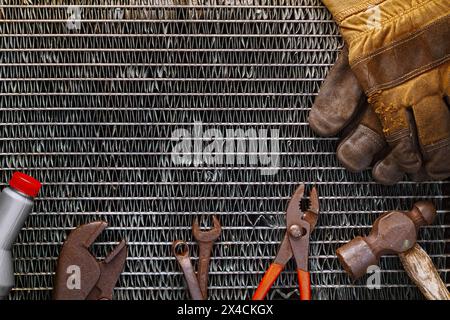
(92,97)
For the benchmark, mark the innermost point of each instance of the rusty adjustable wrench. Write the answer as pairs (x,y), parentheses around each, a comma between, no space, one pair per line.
(205,241)
(79,275)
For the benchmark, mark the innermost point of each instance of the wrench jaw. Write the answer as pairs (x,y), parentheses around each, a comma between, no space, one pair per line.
(85,235)
(79,275)
(110,270)
(206,236)
(217,225)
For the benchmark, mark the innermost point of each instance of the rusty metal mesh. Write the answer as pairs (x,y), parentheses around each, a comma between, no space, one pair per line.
(90,96)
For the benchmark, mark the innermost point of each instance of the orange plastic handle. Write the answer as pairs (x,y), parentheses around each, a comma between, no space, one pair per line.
(267,281)
(304,284)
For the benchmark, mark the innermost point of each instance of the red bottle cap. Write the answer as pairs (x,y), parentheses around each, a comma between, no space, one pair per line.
(25,184)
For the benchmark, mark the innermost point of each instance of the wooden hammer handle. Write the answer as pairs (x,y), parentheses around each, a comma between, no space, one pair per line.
(423,273)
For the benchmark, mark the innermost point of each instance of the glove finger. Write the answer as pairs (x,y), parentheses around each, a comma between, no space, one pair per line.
(338,99)
(388,171)
(358,149)
(432,117)
(404,156)
(420,176)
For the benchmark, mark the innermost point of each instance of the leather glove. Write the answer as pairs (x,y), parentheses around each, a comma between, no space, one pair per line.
(341,107)
(399,52)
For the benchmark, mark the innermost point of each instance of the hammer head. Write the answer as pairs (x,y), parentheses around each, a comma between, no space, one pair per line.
(392,233)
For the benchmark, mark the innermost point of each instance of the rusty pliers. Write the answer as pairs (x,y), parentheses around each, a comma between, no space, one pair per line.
(79,275)
(295,243)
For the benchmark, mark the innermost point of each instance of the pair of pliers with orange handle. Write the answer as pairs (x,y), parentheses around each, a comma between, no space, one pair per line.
(299,225)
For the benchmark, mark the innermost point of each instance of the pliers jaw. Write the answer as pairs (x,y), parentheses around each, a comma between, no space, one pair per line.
(311,215)
(79,275)
(294,211)
(300,224)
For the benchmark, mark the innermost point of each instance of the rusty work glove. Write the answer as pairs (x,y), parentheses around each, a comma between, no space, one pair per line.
(399,52)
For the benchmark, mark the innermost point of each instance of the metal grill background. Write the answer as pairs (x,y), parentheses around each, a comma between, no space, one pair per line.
(89,108)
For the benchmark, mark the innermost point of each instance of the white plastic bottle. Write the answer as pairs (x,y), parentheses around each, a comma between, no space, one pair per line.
(16,202)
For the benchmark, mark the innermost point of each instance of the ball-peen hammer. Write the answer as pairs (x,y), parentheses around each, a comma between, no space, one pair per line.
(395,232)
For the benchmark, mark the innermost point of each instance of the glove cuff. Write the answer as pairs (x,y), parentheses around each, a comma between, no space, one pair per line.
(392,41)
